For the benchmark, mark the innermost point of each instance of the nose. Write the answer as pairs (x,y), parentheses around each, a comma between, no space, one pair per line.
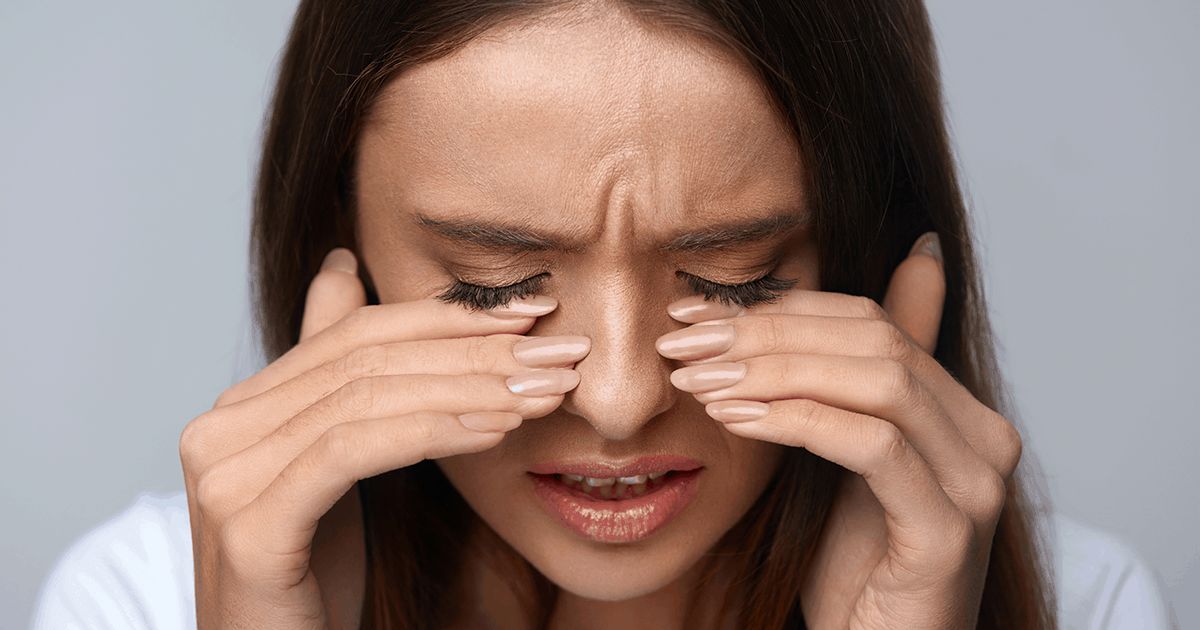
(624,383)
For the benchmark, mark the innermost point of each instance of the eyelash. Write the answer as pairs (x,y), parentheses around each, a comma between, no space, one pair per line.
(478,297)
(761,290)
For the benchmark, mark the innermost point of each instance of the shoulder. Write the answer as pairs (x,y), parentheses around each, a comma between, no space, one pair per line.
(132,571)
(1101,582)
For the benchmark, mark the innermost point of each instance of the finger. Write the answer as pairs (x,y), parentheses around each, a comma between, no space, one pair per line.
(864,329)
(866,385)
(918,511)
(378,396)
(388,323)
(917,292)
(281,521)
(333,294)
(737,338)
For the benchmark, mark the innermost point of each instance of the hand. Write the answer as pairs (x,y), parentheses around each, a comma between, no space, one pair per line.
(908,539)
(368,389)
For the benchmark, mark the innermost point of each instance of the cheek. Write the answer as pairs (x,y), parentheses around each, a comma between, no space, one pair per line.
(753,462)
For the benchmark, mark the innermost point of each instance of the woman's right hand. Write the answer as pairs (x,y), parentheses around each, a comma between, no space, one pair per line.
(368,389)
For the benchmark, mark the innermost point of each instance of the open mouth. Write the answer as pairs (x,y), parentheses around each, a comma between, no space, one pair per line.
(616,509)
(616,488)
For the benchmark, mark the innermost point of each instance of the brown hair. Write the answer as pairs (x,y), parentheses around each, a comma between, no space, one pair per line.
(858,81)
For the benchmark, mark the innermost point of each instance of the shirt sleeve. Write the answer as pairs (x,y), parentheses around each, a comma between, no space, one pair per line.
(1103,583)
(133,572)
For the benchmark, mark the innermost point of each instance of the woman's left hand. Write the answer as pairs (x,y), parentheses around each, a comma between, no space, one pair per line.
(907,542)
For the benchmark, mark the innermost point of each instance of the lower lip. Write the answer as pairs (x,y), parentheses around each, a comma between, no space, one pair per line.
(616,520)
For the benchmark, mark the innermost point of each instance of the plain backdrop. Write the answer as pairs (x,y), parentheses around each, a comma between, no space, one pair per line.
(128,140)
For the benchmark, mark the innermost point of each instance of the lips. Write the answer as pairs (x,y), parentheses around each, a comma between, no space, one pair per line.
(589,508)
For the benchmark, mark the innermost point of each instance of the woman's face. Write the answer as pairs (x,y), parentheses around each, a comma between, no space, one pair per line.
(613,143)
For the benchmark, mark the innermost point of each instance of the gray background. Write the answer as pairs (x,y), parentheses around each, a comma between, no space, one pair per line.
(127,144)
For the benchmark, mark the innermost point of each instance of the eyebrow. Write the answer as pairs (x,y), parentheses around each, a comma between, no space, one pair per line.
(523,239)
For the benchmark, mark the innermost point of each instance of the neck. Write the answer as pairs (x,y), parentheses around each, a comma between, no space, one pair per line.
(498,606)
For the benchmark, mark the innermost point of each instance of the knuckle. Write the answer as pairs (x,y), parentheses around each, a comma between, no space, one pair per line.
(361,362)
(768,330)
(889,341)
(340,443)
(887,444)
(867,308)
(212,493)
(227,397)
(481,354)
(1010,445)
(991,493)
(193,441)
(356,397)
(900,386)
(356,323)
(422,430)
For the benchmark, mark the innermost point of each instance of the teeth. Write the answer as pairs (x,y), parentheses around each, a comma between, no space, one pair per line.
(614,487)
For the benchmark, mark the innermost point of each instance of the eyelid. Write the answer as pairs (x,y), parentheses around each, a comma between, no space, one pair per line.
(523,281)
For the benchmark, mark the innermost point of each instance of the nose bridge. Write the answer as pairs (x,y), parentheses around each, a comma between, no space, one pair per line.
(624,382)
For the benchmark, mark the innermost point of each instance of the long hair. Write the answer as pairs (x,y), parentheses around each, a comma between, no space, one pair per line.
(859,84)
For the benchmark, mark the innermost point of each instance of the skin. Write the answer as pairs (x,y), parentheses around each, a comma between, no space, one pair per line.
(597,134)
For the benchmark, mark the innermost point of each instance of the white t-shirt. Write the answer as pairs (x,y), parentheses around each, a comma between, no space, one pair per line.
(134,572)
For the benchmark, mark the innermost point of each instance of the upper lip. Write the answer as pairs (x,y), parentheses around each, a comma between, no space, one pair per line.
(601,469)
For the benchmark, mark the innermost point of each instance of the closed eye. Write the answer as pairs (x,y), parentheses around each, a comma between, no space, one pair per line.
(761,290)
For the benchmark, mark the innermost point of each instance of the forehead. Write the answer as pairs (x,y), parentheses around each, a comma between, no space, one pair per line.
(587,120)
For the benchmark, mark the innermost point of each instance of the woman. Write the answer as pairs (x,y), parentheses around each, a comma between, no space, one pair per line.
(603,314)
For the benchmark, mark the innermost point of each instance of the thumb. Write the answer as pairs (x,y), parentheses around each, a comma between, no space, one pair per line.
(334,293)
(917,292)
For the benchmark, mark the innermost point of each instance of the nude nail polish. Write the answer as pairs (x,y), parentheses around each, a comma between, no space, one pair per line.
(531,306)
(551,351)
(708,377)
(695,342)
(695,308)
(730,411)
(543,382)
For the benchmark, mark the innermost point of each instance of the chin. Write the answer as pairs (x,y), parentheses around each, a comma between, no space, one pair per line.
(611,574)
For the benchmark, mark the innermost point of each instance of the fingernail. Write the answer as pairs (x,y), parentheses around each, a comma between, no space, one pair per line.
(490,421)
(340,259)
(737,410)
(551,351)
(530,306)
(543,382)
(708,377)
(695,308)
(929,244)
(695,342)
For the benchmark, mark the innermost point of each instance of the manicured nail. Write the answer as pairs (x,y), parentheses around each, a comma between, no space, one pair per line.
(694,308)
(530,306)
(551,351)
(928,244)
(490,421)
(707,377)
(543,382)
(695,342)
(737,410)
(340,259)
